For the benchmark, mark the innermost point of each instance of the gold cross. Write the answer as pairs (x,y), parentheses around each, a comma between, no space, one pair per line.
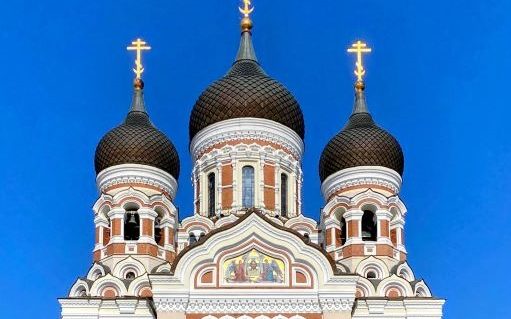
(138,45)
(359,47)
(246,10)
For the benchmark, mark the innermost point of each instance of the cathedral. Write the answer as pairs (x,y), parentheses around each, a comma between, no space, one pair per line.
(248,251)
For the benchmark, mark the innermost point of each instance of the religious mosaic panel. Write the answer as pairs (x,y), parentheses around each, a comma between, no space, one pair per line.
(253,267)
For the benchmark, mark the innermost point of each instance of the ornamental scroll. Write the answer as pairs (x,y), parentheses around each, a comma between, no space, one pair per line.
(253,267)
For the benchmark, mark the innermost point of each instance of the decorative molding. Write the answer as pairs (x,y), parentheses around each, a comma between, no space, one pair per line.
(246,128)
(137,174)
(336,304)
(242,305)
(361,175)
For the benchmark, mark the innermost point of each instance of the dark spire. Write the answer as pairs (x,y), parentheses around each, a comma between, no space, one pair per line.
(246,50)
(360,105)
(137,103)
(137,114)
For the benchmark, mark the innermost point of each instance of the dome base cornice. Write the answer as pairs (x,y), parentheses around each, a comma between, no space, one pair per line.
(246,129)
(361,176)
(130,174)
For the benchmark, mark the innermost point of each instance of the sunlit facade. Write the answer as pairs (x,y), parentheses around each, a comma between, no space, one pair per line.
(248,251)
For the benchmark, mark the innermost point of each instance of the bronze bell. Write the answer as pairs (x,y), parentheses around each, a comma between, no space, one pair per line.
(132,221)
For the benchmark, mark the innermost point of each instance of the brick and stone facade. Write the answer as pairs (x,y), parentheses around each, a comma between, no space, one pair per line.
(248,251)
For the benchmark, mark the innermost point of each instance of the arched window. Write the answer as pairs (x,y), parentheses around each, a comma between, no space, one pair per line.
(371,275)
(192,239)
(306,237)
(201,235)
(369,228)
(130,275)
(248,186)
(211,195)
(343,230)
(158,231)
(283,194)
(131,225)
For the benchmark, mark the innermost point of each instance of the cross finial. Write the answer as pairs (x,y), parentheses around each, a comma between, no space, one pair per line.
(359,47)
(246,10)
(138,45)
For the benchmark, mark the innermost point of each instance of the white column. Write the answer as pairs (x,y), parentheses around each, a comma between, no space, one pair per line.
(299,178)
(261,183)
(195,189)
(278,171)
(219,188)
(235,191)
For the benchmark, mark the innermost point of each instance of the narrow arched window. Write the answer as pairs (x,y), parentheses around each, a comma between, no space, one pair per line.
(283,194)
(130,275)
(192,239)
(211,195)
(131,225)
(248,186)
(369,228)
(343,231)
(158,231)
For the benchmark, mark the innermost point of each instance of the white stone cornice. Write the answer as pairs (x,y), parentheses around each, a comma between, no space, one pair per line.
(353,214)
(137,174)
(336,304)
(384,214)
(147,213)
(253,305)
(361,175)
(117,212)
(246,128)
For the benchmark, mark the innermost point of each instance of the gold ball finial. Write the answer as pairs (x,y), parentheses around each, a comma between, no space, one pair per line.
(360,86)
(246,24)
(246,10)
(138,84)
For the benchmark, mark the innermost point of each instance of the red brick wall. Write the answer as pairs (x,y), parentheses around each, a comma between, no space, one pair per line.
(384,228)
(116,226)
(353,228)
(393,236)
(147,227)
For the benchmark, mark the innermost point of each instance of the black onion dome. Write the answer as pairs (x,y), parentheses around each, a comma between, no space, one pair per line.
(137,141)
(361,143)
(246,91)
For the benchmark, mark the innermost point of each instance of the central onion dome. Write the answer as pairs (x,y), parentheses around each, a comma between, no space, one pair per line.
(361,143)
(246,91)
(137,141)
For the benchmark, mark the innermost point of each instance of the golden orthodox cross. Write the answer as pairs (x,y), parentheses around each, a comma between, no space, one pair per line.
(359,47)
(138,45)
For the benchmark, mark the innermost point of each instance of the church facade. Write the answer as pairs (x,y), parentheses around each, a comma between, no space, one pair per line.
(248,252)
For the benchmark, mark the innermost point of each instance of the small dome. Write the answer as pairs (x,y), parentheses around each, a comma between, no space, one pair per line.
(361,143)
(137,141)
(246,91)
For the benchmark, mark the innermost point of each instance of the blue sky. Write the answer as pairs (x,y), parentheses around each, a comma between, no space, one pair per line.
(437,79)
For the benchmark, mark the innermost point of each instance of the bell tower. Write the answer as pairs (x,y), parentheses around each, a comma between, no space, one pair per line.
(135,220)
(360,170)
